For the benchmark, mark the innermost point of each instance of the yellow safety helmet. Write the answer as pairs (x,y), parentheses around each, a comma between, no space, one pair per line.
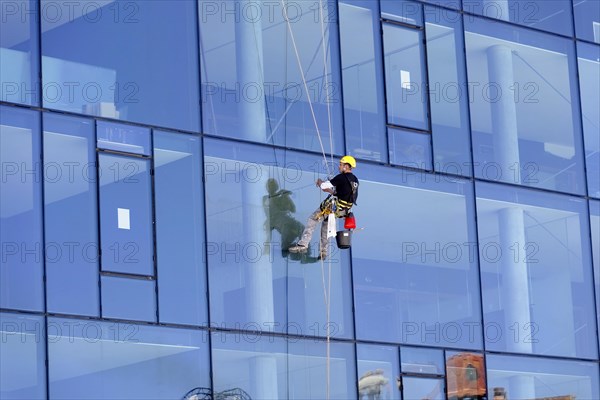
(349,160)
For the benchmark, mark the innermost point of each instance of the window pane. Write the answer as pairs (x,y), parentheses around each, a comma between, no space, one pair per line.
(142,67)
(71,215)
(595,228)
(131,299)
(124,138)
(587,19)
(552,16)
(126,235)
(21,272)
(588,57)
(180,237)
(307,370)
(536,270)
(405,77)
(250,364)
(424,271)
(537,378)
(422,361)
(449,91)
(378,371)
(257,202)
(465,375)
(19,52)
(263,367)
(410,149)
(364,102)
(255,88)
(22,357)
(422,388)
(108,360)
(408,12)
(517,77)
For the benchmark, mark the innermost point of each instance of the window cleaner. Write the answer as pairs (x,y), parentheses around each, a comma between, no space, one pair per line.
(343,193)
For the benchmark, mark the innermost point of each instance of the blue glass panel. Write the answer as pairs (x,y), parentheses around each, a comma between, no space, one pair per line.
(410,149)
(364,102)
(309,377)
(108,360)
(179,202)
(265,367)
(595,228)
(257,201)
(448,91)
(250,363)
(408,12)
(537,378)
(405,78)
(552,16)
(268,81)
(587,19)
(378,371)
(423,388)
(70,215)
(131,299)
(21,265)
(422,361)
(517,76)
(588,57)
(19,52)
(125,138)
(535,271)
(22,357)
(126,237)
(424,270)
(125,60)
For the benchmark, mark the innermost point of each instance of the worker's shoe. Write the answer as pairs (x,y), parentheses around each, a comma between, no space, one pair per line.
(322,255)
(298,248)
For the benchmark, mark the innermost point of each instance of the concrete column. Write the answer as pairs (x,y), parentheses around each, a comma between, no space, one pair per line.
(250,70)
(504,113)
(252,124)
(515,274)
(263,374)
(515,295)
(515,278)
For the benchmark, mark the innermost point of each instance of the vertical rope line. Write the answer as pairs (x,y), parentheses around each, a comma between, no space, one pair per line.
(312,111)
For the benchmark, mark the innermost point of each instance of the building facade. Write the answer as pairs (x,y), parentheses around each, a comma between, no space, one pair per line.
(159,157)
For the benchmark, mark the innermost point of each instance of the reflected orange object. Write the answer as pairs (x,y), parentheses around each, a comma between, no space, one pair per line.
(466,376)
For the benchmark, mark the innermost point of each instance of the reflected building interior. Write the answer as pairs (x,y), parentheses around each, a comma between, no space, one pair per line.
(158,158)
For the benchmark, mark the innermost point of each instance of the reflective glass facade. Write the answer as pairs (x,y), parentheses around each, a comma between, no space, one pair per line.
(158,159)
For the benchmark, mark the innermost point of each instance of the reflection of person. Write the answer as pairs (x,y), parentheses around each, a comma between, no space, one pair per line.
(344,187)
(371,383)
(279,206)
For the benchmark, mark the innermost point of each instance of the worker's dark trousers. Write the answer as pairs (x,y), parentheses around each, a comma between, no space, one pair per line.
(309,229)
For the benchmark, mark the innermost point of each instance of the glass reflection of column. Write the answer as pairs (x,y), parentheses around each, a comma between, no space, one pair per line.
(515,284)
(504,113)
(259,274)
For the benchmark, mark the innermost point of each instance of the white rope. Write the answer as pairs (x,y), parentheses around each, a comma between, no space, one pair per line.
(326,73)
(312,111)
(326,291)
